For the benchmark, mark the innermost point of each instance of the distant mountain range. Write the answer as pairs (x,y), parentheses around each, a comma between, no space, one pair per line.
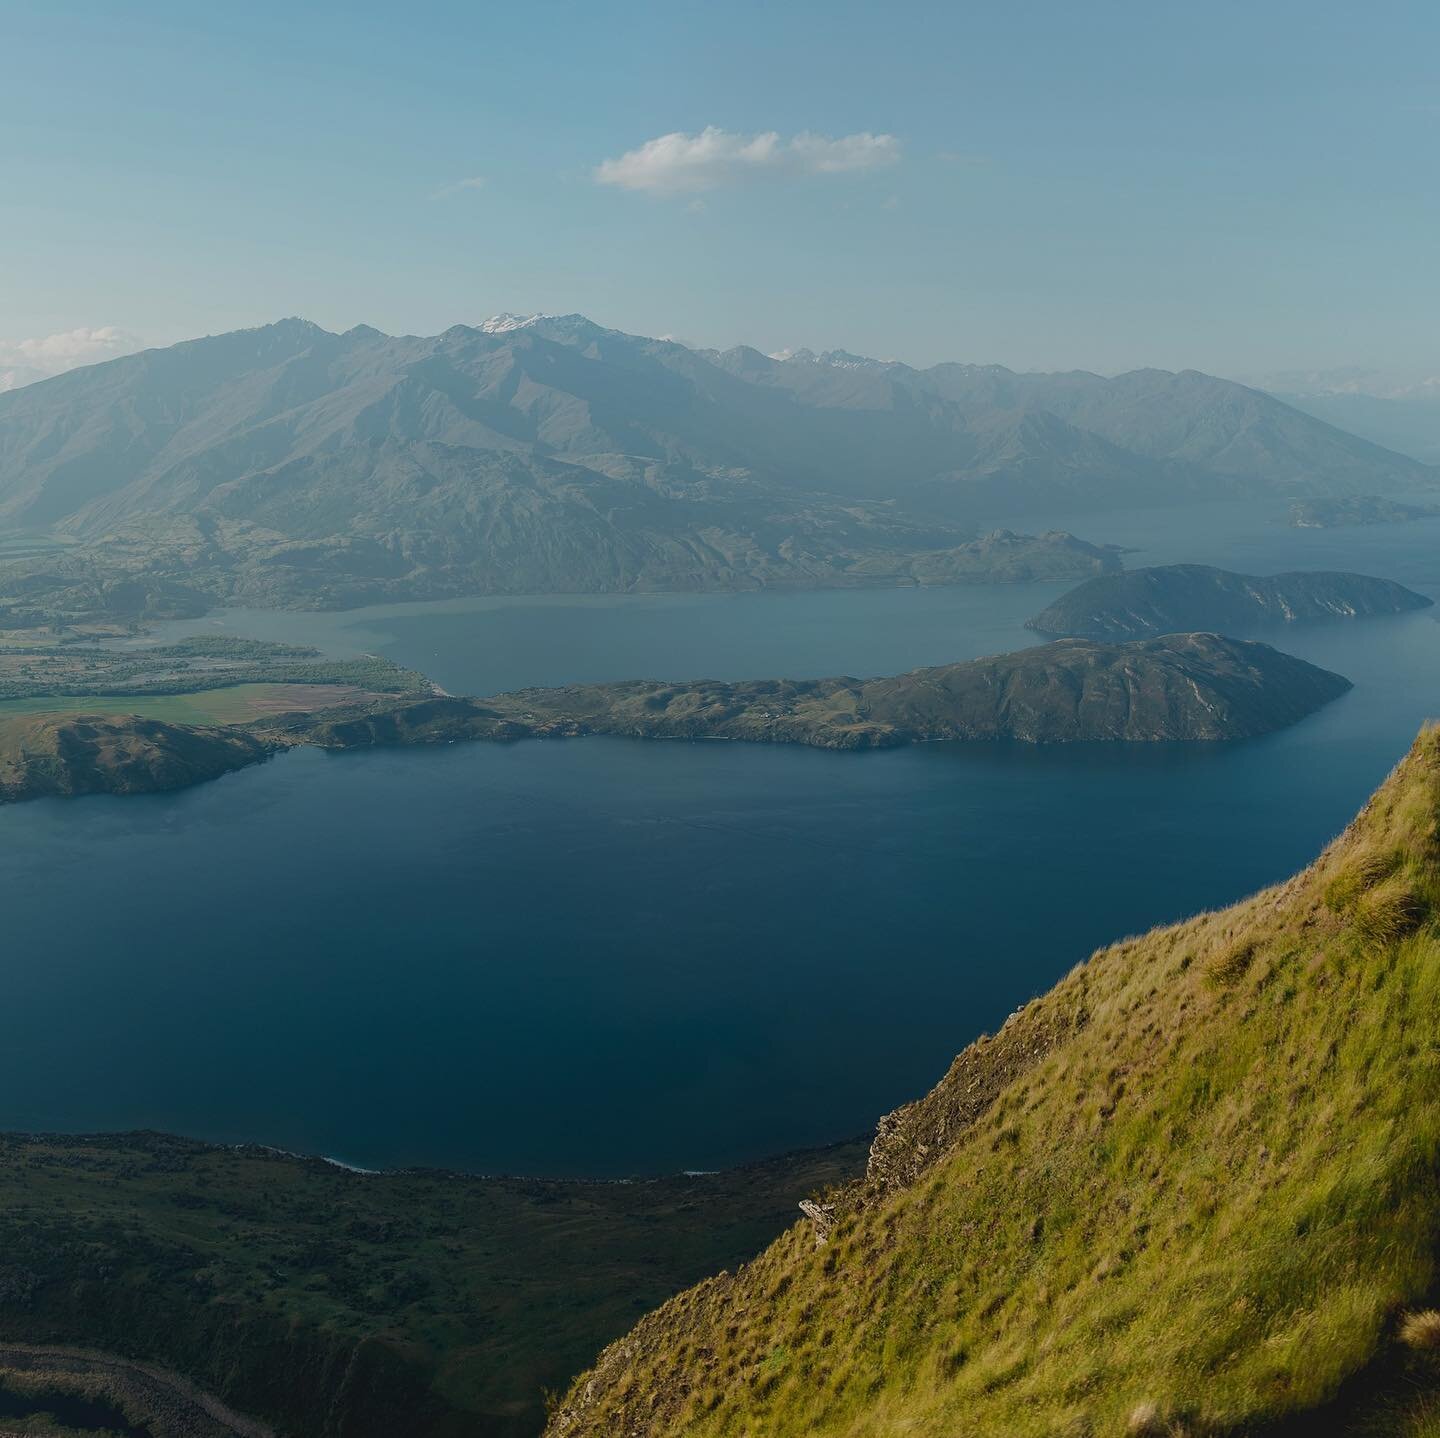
(1399,409)
(548,453)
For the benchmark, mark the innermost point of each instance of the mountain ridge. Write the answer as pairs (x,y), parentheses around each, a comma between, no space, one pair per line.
(283,368)
(550,454)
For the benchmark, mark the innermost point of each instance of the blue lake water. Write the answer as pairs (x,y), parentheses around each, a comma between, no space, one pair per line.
(605,957)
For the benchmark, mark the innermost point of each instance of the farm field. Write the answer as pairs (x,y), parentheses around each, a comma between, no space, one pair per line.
(232,704)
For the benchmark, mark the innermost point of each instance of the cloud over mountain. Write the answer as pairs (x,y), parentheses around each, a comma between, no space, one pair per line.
(681,164)
(24,361)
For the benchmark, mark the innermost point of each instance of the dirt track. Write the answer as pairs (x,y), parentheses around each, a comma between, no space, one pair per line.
(172,1406)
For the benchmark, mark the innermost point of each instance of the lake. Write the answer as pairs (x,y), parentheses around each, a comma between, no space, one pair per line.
(607,956)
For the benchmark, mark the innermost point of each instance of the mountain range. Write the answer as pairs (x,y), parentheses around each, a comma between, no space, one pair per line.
(550,454)
(1398,409)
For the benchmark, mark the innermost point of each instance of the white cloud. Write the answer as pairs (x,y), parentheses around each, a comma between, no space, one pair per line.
(24,361)
(680,164)
(475,182)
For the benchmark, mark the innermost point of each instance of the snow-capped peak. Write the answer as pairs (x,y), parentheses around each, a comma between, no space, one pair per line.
(554,327)
(835,359)
(503,323)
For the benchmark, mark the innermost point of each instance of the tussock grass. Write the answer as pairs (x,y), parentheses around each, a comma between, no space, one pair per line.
(1421,1330)
(1197,1207)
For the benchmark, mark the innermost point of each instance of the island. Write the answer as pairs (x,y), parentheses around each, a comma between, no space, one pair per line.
(1181,687)
(1171,598)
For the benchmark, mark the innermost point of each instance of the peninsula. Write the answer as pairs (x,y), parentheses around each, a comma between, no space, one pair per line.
(1181,687)
(1350,511)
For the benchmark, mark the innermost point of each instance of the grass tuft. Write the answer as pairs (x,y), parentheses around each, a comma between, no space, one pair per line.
(1421,1331)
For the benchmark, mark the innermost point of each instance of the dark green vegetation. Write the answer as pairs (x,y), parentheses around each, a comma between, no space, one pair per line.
(63,590)
(288,465)
(335,1304)
(1191,1190)
(64,755)
(1170,598)
(1182,687)
(1357,510)
(206,662)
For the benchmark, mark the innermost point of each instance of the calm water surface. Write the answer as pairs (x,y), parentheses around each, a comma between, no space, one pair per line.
(605,956)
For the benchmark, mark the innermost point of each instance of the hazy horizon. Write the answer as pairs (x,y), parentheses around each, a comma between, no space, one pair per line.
(49,356)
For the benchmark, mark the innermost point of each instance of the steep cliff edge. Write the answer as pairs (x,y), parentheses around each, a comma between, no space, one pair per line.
(1191,1190)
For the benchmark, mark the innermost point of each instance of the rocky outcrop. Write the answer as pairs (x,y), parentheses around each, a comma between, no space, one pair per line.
(910,1139)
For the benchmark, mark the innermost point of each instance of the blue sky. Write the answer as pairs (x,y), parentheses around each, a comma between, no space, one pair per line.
(1234,187)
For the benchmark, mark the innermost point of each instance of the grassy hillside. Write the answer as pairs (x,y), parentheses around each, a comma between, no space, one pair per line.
(1193,1189)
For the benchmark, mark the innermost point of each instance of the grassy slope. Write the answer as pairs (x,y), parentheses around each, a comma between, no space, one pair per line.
(1194,1184)
(341,1303)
